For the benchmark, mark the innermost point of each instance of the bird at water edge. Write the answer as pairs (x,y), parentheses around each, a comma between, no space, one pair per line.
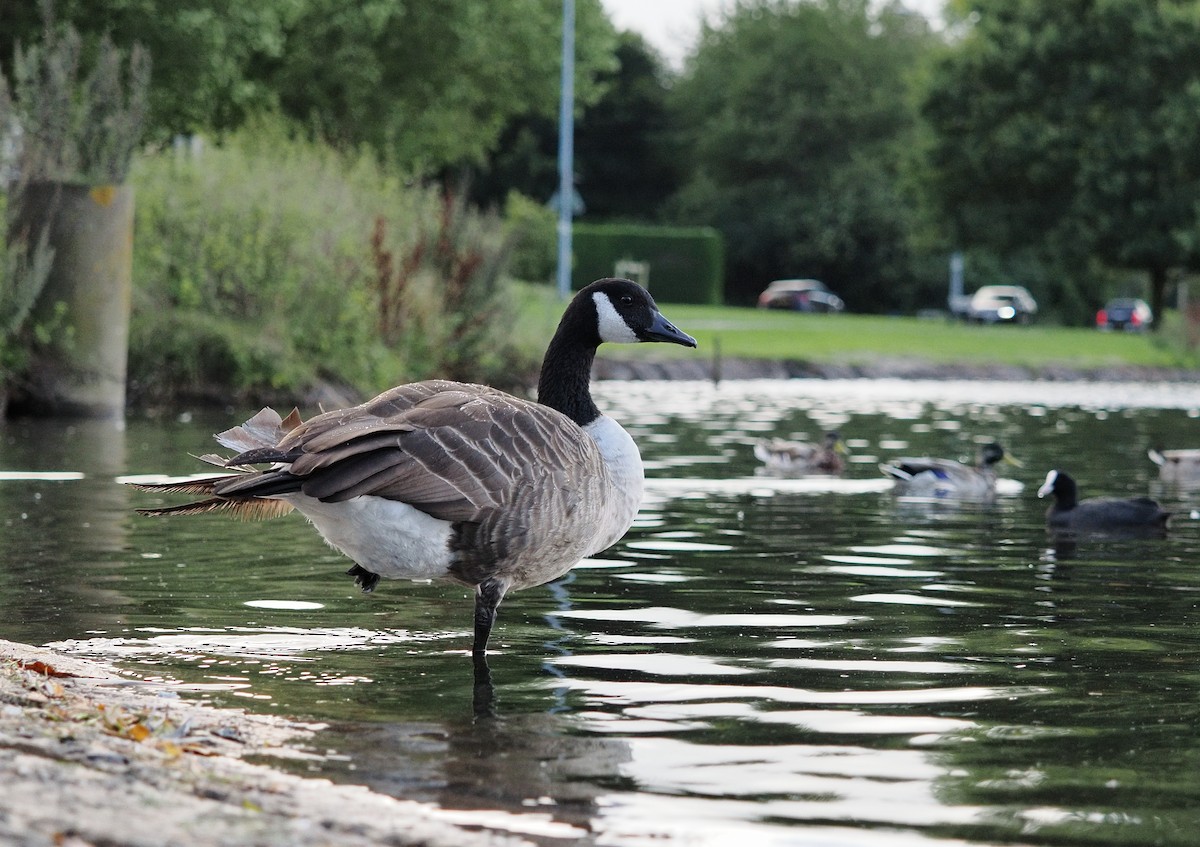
(1180,467)
(784,457)
(451,480)
(946,478)
(1097,514)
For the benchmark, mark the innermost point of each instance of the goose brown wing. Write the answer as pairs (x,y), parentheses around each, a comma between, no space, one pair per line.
(294,438)
(455,452)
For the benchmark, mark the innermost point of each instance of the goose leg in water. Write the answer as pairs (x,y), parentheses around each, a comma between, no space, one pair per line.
(488,595)
(363,578)
(483,696)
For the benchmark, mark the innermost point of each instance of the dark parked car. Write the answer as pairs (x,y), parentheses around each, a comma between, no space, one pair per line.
(1002,304)
(801,295)
(1128,313)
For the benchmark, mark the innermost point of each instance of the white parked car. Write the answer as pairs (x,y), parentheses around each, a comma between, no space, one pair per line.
(1002,304)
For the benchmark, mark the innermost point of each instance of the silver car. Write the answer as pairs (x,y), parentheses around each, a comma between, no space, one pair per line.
(1002,304)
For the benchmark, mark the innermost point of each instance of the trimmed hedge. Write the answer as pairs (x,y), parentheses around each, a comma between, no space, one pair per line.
(682,264)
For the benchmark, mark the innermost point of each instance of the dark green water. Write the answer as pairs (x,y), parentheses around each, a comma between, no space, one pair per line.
(807,662)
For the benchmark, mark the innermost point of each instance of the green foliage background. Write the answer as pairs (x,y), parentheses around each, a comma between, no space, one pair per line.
(1072,129)
(1057,145)
(256,276)
(797,118)
(426,84)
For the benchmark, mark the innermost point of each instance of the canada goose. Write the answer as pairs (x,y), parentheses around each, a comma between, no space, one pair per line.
(1104,514)
(1177,466)
(781,456)
(443,479)
(946,478)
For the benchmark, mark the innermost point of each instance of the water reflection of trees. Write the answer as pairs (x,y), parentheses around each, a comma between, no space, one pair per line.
(64,537)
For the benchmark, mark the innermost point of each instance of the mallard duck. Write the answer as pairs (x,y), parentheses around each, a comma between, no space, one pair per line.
(1100,514)
(946,478)
(1177,466)
(448,480)
(781,456)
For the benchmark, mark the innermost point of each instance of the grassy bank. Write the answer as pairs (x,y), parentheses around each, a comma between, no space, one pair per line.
(855,339)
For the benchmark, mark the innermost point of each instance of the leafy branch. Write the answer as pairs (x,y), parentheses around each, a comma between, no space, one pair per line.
(70,125)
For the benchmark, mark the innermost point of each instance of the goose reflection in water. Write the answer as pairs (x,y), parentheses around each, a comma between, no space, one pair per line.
(484,689)
(481,763)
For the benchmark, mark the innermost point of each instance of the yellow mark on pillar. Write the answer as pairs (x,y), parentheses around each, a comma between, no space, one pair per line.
(103,195)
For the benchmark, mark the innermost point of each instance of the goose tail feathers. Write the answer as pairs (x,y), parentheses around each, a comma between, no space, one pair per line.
(262,432)
(205,486)
(246,510)
(244,495)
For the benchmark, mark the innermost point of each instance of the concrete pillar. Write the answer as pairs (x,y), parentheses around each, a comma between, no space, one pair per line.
(91,234)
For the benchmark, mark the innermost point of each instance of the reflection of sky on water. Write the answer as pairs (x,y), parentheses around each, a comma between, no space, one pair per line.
(758,401)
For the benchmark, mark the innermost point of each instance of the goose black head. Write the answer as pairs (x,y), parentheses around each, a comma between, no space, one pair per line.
(613,310)
(626,314)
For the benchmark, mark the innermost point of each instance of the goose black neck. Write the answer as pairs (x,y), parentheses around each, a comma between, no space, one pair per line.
(564,384)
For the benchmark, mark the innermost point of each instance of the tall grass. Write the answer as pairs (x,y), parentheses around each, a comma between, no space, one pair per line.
(442,295)
(255,275)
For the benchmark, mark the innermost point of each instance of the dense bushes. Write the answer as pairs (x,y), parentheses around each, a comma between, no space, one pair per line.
(255,275)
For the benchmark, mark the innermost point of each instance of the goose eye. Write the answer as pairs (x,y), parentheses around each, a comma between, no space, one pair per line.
(626,300)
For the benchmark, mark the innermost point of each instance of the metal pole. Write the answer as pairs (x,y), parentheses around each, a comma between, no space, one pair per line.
(956,276)
(566,150)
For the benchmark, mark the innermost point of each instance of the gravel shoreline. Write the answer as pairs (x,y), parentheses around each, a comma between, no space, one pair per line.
(90,755)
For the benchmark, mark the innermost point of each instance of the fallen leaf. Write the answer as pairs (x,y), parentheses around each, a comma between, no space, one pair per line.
(43,668)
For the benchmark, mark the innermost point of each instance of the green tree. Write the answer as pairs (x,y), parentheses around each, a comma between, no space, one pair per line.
(426,85)
(798,116)
(432,84)
(624,150)
(203,51)
(624,158)
(1074,127)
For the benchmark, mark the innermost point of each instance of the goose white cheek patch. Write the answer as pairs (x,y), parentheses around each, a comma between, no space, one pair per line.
(612,326)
